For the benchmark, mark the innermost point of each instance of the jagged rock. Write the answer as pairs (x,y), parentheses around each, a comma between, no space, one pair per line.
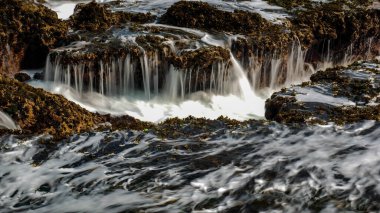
(262,34)
(342,95)
(37,111)
(27,31)
(99,17)
(340,26)
(22,77)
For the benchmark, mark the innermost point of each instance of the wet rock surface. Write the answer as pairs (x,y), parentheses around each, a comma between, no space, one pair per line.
(99,17)
(37,111)
(341,95)
(27,31)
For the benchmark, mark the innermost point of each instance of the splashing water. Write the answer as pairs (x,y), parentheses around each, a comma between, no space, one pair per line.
(7,122)
(254,168)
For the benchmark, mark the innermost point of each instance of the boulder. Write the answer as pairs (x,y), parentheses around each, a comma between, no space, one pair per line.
(27,31)
(341,95)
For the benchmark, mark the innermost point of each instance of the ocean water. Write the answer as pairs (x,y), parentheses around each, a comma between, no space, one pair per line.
(260,167)
(257,167)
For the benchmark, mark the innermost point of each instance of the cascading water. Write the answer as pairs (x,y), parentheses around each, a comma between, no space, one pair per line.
(7,122)
(139,84)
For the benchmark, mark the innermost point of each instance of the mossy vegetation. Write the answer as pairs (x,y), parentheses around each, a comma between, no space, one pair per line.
(261,33)
(37,111)
(357,84)
(98,17)
(30,29)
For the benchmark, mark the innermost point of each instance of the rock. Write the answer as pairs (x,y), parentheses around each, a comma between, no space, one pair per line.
(27,31)
(341,95)
(340,26)
(262,34)
(22,77)
(38,112)
(292,4)
(151,54)
(38,76)
(99,17)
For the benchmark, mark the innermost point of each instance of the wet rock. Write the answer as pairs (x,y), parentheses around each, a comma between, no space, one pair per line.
(292,4)
(150,54)
(99,17)
(340,24)
(341,95)
(261,33)
(22,77)
(200,15)
(38,76)
(38,112)
(27,31)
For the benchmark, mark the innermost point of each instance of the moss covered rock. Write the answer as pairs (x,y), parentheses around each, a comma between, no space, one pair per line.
(341,95)
(37,111)
(99,17)
(29,30)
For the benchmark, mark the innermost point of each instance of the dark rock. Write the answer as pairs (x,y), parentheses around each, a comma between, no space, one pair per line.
(340,95)
(30,30)
(99,17)
(37,111)
(38,76)
(262,34)
(22,77)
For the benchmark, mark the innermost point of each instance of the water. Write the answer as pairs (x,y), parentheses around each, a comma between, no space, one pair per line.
(257,167)
(6,122)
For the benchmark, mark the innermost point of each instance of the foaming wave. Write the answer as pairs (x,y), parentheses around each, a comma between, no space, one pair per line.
(200,104)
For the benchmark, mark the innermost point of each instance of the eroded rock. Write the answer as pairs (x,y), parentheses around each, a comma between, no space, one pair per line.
(341,95)
(37,111)
(99,17)
(27,31)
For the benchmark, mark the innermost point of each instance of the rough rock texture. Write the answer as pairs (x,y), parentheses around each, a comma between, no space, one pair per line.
(342,95)
(98,17)
(340,26)
(27,31)
(261,33)
(291,4)
(37,111)
(318,27)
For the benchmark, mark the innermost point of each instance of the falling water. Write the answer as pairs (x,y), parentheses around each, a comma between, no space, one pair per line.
(7,122)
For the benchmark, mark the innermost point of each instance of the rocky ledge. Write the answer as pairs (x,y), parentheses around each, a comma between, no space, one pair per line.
(27,32)
(341,95)
(37,112)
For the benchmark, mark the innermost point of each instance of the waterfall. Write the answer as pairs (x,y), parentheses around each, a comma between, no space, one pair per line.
(7,122)
(153,74)
(120,76)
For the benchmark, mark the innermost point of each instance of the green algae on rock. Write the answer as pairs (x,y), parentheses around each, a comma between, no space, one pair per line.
(341,95)
(29,30)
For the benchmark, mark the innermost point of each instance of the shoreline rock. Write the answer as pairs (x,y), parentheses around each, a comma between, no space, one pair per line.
(28,31)
(341,95)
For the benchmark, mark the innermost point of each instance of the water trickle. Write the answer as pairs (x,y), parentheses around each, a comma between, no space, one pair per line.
(7,122)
